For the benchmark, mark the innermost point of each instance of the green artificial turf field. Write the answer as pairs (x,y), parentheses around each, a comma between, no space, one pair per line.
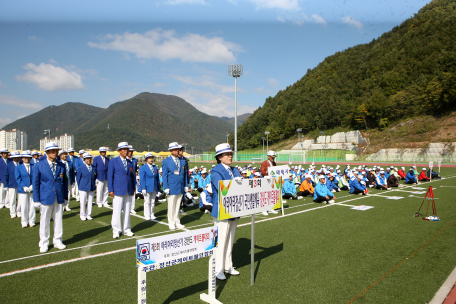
(315,254)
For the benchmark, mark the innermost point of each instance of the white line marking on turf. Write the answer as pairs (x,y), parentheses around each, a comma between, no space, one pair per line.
(86,250)
(125,249)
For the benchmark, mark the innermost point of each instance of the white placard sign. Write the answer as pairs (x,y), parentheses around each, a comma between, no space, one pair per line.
(279,171)
(431,164)
(251,196)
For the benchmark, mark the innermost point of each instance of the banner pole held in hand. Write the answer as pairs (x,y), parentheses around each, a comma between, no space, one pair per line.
(252,252)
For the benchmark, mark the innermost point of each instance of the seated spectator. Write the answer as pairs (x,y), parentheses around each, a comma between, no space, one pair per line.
(322,194)
(356,187)
(289,189)
(410,177)
(435,175)
(402,173)
(382,183)
(392,180)
(306,189)
(330,183)
(203,181)
(343,183)
(205,201)
(423,177)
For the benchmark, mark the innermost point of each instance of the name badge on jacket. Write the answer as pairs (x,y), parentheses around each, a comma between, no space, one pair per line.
(176,172)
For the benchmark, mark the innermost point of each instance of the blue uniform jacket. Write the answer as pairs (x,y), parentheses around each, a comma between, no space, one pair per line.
(2,170)
(208,199)
(381,181)
(322,190)
(355,184)
(77,162)
(331,185)
(34,161)
(220,173)
(102,169)
(192,182)
(46,187)
(10,176)
(175,183)
(149,179)
(86,179)
(288,187)
(70,171)
(121,181)
(135,164)
(23,178)
(202,183)
(410,177)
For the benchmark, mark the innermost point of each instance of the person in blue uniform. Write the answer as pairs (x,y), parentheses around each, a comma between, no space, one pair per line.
(410,178)
(175,184)
(3,185)
(121,187)
(70,176)
(23,173)
(382,181)
(11,183)
(356,187)
(322,193)
(50,190)
(205,200)
(203,181)
(226,228)
(34,159)
(149,179)
(101,163)
(289,189)
(86,177)
(135,169)
(78,162)
(71,159)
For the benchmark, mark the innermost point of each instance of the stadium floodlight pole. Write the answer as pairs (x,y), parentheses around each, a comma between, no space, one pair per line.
(227,135)
(298,130)
(321,146)
(263,143)
(185,146)
(48,132)
(148,148)
(192,150)
(235,70)
(267,139)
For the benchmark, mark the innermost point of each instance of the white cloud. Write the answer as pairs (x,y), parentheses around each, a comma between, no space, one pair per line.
(350,21)
(2,84)
(273,83)
(32,38)
(157,85)
(21,103)
(318,19)
(22,116)
(172,2)
(205,81)
(213,104)
(165,45)
(300,18)
(51,78)
(4,122)
(280,4)
(52,61)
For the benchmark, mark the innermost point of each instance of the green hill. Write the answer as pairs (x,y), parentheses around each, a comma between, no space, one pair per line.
(146,119)
(408,71)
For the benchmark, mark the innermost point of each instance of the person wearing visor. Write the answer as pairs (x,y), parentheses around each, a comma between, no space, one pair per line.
(85,177)
(322,193)
(149,179)
(24,173)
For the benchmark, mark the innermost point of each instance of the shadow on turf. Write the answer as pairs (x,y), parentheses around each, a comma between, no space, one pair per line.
(86,235)
(195,288)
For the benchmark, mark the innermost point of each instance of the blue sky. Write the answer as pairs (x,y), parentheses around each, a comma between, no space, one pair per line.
(101,52)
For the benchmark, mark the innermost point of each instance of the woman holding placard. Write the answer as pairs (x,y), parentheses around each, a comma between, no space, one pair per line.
(226,228)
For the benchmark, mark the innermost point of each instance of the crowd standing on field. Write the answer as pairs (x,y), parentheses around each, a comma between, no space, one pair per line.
(31,181)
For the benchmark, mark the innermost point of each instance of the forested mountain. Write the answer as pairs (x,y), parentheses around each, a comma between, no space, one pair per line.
(408,71)
(146,119)
(240,119)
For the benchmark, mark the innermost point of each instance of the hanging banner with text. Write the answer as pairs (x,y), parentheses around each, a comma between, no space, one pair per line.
(249,197)
(283,171)
(169,250)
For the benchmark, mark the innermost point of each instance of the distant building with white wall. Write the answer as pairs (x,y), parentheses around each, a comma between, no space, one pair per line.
(2,139)
(23,141)
(65,142)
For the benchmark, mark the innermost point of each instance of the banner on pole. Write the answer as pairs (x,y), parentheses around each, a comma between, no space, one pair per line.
(249,197)
(172,249)
(279,171)
(440,163)
(431,164)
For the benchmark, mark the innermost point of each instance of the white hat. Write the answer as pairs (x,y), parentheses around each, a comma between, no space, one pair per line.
(214,166)
(424,169)
(70,150)
(209,188)
(413,166)
(202,167)
(40,154)
(160,170)
(33,153)
(243,172)
(62,152)
(15,154)
(338,171)
(122,145)
(130,148)
(323,166)
(173,145)
(87,155)
(148,154)
(271,153)
(82,151)
(102,149)
(222,148)
(302,169)
(363,173)
(257,173)
(333,174)
(355,172)
(411,169)
(388,168)
(321,176)
(26,153)
(307,176)
(249,166)
(204,171)
(4,151)
(51,145)
(382,172)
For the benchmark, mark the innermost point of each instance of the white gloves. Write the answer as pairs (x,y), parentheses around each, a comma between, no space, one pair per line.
(31,188)
(37,204)
(167,191)
(26,189)
(238,179)
(185,189)
(144,192)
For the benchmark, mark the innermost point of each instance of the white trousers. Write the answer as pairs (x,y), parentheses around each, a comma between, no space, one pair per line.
(28,213)
(56,211)
(74,190)
(149,204)
(226,234)
(3,192)
(11,201)
(119,203)
(102,192)
(76,193)
(133,201)
(86,200)
(174,202)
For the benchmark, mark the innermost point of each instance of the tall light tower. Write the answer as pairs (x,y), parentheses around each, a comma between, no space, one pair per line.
(48,131)
(235,70)
(227,136)
(267,139)
(263,143)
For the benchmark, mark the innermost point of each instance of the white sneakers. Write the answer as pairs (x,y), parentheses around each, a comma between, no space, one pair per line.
(44,249)
(172,227)
(152,217)
(207,211)
(331,201)
(180,226)
(67,208)
(24,225)
(83,218)
(221,276)
(132,212)
(273,211)
(100,205)
(59,246)
(129,233)
(115,235)
(106,204)
(32,224)
(89,218)
(232,272)
(300,197)
(265,213)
